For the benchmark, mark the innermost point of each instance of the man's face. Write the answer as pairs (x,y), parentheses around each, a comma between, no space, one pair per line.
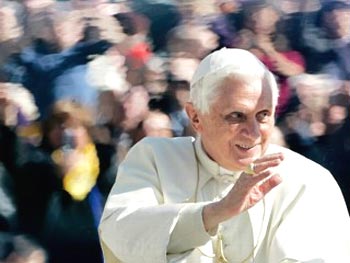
(239,125)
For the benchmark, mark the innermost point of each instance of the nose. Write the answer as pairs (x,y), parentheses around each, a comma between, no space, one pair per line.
(252,129)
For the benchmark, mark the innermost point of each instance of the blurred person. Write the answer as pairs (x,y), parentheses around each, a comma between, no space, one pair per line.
(18,248)
(318,128)
(190,200)
(155,74)
(110,115)
(228,22)
(17,113)
(99,23)
(190,38)
(135,106)
(337,111)
(265,39)
(187,10)
(157,124)
(136,46)
(305,124)
(195,11)
(182,68)
(83,4)
(135,109)
(313,92)
(8,209)
(61,185)
(180,121)
(337,25)
(19,108)
(108,72)
(172,103)
(54,66)
(191,41)
(8,161)
(297,16)
(327,41)
(295,6)
(163,16)
(37,5)
(11,33)
(336,149)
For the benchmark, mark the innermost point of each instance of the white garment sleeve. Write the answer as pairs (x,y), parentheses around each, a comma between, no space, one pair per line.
(189,231)
(135,226)
(137,223)
(315,227)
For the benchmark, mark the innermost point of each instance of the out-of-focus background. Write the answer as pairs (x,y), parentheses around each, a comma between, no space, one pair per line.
(82,81)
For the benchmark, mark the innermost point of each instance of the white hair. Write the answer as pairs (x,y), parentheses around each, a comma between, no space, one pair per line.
(221,65)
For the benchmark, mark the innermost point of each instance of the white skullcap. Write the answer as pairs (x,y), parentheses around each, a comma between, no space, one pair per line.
(220,64)
(227,60)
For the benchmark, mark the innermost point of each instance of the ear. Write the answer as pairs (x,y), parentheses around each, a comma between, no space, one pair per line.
(193,115)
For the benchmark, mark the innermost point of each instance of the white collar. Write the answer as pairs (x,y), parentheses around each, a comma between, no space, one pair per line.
(215,170)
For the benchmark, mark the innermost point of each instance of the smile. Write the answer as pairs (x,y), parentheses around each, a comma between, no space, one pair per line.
(245,147)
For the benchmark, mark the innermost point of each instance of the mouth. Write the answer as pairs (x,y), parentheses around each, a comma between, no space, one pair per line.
(247,153)
(245,147)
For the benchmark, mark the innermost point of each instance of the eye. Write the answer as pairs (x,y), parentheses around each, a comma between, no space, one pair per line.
(234,117)
(263,116)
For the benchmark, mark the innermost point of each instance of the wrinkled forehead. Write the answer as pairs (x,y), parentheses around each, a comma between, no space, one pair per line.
(241,96)
(250,84)
(226,61)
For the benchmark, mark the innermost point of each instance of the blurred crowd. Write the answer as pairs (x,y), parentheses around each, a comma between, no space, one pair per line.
(82,81)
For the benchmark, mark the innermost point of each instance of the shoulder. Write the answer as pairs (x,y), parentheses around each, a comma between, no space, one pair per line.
(298,167)
(159,151)
(158,144)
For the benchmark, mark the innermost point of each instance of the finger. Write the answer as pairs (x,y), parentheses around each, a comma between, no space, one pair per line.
(259,167)
(270,183)
(269,157)
(268,162)
(252,180)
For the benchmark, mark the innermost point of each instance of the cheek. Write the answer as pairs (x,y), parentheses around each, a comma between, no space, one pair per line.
(212,129)
(266,132)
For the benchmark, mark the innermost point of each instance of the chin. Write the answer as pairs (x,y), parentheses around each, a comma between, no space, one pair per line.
(242,163)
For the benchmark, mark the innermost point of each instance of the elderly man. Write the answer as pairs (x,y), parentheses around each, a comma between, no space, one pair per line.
(229,195)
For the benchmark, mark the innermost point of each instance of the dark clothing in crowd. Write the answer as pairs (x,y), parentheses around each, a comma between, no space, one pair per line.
(226,26)
(8,210)
(54,76)
(65,227)
(336,157)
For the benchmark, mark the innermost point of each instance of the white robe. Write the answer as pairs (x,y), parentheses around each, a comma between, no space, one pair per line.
(153,212)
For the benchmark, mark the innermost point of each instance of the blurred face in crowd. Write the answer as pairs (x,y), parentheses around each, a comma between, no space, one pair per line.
(68,32)
(42,28)
(228,6)
(157,124)
(337,23)
(9,27)
(135,106)
(69,132)
(81,4)
(37,4)
(239,124)
(263,20)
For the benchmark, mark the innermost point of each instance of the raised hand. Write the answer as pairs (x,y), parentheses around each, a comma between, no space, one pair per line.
(249,189)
